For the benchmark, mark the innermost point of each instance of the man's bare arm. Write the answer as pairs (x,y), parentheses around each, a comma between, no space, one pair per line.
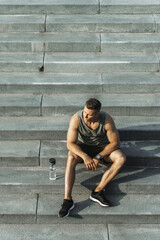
(72,137)
(113,137)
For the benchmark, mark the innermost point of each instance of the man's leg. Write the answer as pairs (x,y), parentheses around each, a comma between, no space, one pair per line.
(72,161)
(118,159)
(68,203)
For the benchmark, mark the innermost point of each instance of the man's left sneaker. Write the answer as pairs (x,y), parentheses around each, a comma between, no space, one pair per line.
(100,198)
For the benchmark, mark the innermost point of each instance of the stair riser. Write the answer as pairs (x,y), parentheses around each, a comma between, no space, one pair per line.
(49,47)
(61,135)
(99,67)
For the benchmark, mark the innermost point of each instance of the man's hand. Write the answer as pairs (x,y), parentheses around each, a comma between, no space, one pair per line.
(90,164)
(96,162)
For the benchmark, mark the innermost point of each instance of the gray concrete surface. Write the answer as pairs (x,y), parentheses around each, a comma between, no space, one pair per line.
(133,232)
(131,82)
(55,128)
(101,23)
(21,62)
(124,6)
(20,105)
(36,180)
(139,153)
(100,62)
(130,42)
(18,209)
(19,153)
(21,23)
(48,6)
(54,231)
(130,209)
(54,42)
(113,104)
(50,83)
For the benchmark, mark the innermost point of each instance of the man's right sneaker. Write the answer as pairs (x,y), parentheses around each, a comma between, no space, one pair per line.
(67,206)
(100,198)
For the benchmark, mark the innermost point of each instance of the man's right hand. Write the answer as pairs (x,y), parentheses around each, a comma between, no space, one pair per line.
(89,163)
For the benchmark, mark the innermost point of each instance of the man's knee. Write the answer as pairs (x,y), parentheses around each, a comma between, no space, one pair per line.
(72,159)
(120,160)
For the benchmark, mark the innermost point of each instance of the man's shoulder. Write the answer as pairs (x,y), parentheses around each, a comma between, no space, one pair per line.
(74,120)
(108,119)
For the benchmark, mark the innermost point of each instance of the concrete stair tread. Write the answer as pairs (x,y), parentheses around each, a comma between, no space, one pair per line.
(87,83)
(108,100)
(130,42)
(103,23)
(19,153)
(127,209)
(85,231)
(63,42)
(17,105)
(36,180)
(113,104)
(101,62)
(131,208)
(53,37)
(35,153)
(101,57)
(48,6)
(139,153)
(74,7)
(54,128)
(18,208)
(21,57)
(21,62)
(21,23)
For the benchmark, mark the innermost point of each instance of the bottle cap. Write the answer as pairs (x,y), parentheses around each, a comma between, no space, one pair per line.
(52,160)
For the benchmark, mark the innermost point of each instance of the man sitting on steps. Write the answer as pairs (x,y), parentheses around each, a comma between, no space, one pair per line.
(92,137)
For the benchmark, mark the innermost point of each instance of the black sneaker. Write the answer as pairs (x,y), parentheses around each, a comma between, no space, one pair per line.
(66,207)
(100,198)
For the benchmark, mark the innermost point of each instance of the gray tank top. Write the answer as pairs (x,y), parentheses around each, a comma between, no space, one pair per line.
(92,137)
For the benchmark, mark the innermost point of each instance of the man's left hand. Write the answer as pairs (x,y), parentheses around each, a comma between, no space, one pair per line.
(96,162)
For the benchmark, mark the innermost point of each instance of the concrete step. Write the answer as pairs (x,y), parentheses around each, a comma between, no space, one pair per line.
(139,153)
(48,6)
(104,23)
(50,42)
(79,42)
(113,104)
(131,82)
(43,209)
(101,62)
(74,7)
(55,128)
(36,180)
(20,105)
(80,231)
(36,153)
(21,62)
(21,23)
(130,42)
(50,83)
(134,6)
(18,209)
(19,153)
(130,209)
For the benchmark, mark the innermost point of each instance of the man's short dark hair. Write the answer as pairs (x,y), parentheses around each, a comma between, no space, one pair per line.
(94,104)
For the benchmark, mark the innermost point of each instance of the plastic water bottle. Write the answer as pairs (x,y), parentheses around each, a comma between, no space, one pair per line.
(52,168)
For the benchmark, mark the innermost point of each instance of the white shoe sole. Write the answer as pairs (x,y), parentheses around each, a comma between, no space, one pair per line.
(68,212)
(96,200)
